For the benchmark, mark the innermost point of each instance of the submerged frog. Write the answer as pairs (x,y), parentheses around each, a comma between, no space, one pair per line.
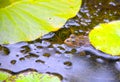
(75,40)
(82,42)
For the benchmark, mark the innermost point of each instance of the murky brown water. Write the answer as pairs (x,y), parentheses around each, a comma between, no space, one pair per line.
(51,55)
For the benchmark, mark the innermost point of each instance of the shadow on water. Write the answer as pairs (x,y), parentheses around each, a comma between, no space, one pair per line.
(51,55)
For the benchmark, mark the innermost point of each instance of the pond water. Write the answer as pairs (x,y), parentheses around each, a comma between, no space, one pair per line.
(51,55)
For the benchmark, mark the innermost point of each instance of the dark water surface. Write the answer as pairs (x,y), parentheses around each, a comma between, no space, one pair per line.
(51,55)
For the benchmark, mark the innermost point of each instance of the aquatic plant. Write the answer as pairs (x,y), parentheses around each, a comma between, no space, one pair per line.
(26,20)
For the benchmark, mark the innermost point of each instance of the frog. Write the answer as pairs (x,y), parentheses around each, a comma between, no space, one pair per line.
(82,43)
(77,40)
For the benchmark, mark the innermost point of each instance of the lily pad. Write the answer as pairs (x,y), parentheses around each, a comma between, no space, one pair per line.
(106,37)
(32,77)
(4,75)
(26,20)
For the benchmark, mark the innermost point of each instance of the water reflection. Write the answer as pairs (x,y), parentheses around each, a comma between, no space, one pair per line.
(76,68)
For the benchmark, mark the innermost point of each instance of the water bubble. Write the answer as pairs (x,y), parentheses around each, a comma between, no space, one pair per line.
(22,58)
(46,54)
(112,3)
(83,23)
(106,20)
(31,55)
(25,49)
(60,48)
(88,20)
(40,47)
(56,74)
(88,56)
(100,3)
(57,54)
(45,44)
(68,64)
(82,53)
(6,51)
(49,35)
(13,61)
(95,6)
(117,65)
(40,61)
(17,55)
(99,60)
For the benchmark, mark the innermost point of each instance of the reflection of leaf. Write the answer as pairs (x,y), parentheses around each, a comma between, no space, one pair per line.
(33,77)
(106,37)
(4,75)
(25,20)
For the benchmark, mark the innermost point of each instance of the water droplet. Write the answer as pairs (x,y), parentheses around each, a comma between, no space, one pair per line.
(73,51)
(6,50)
(117,65)
(49,35)
(68,64)
(30,55)
(46,54)
(39,47)
(13,61)
(61,48)
(82,53)
(22,58)
(100,3)
(112,3)
(105,20)
(88,56)
(99,60)
(96,6)
(40,61)
(56,74)
(25,49)
(17,55)
(45,44)
(58,55)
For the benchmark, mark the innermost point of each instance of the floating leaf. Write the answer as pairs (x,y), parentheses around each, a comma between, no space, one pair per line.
(26,20)
(4,75)
(106,37)
(33,77)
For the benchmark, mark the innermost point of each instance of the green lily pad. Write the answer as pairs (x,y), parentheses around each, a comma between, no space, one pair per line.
(32,77)
(106,37)
(4,75)
(26,20)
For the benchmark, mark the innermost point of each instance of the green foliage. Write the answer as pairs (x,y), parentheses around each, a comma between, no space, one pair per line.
(106,37)
(26,20)
(4,75)
(32,77)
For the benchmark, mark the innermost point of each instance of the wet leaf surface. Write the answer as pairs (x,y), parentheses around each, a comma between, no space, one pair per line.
(32,77)
(26,20)
(4,75)
(106,37)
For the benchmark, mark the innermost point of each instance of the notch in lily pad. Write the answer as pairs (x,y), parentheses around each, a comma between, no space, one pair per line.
(106,37)
(31,76)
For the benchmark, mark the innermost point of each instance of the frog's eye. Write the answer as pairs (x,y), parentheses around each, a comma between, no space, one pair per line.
(67,40)
(72,36)
(72,40)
